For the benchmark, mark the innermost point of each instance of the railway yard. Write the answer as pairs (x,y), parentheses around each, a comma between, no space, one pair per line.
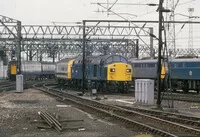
(104,77)
(111,115)
(19,112)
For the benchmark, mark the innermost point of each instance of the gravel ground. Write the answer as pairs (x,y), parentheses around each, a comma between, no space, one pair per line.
(18,111)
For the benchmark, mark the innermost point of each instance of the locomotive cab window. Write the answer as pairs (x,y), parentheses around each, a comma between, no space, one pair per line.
(123,60)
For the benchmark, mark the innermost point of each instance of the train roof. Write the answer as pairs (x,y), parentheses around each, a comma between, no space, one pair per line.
(186,60)
(24,61)
(46,62)
(64,60)
(144,61)
(102,59)
(106,59)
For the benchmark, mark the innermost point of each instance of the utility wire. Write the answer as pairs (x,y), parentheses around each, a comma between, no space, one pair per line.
(112,5)
(186,2)
(133,24)
(176,4)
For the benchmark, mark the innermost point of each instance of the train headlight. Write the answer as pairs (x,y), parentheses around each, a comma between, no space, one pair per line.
(112,70)
(128,70)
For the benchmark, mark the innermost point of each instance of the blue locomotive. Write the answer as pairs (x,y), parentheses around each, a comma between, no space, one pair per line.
(104,72)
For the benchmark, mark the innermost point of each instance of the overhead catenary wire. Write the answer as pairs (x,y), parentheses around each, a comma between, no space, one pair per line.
(127,4)
(186,2)
(130,22)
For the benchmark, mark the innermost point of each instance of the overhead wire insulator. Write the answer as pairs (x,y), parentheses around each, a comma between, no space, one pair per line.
(152,4)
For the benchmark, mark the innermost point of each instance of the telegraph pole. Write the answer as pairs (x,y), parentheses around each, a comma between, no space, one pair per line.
(83,63)
(18,47)
(160,8)
(190,41)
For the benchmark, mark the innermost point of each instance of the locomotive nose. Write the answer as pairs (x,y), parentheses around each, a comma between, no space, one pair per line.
(119,72)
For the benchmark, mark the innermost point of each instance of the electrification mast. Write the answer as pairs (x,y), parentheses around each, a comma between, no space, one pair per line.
(170,27)
(190,40)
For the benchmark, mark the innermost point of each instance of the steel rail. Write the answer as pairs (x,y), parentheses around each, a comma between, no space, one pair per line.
(175,117)
(161,132)
(118,109)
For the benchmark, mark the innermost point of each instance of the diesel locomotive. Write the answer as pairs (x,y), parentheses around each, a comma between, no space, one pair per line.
(104,72)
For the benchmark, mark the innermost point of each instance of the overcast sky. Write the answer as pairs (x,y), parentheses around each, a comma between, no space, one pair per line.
(48,11)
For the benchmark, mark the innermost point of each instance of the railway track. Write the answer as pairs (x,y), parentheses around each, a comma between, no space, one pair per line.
(6,85)
(174,117)
(133,119)
(186,97)
(181,97)
(10,85)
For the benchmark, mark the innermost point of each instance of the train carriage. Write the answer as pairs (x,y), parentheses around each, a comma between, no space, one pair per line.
(185,74)
(147,69)
(64,71)
(47,70)
(31,70)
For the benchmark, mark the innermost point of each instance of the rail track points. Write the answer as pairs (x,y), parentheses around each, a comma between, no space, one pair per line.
(134,120)
(19,117)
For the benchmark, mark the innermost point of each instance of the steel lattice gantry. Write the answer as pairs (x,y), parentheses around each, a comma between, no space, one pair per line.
(37,40)
(117,37)
(72,35)
(7,33)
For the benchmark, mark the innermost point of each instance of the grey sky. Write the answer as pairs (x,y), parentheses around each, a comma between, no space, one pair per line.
(48,11)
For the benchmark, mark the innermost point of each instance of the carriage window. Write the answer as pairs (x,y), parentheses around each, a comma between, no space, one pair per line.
(143,66)
(175,65)
(150,65)
(95,70)
(137,65)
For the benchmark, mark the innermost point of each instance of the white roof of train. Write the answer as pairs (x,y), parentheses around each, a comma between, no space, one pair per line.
(185,60)
(144,61)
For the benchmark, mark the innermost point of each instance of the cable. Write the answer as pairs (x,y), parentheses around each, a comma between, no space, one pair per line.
(176,4)
(186,2)
(147,13)
(131,23)
(112,5)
